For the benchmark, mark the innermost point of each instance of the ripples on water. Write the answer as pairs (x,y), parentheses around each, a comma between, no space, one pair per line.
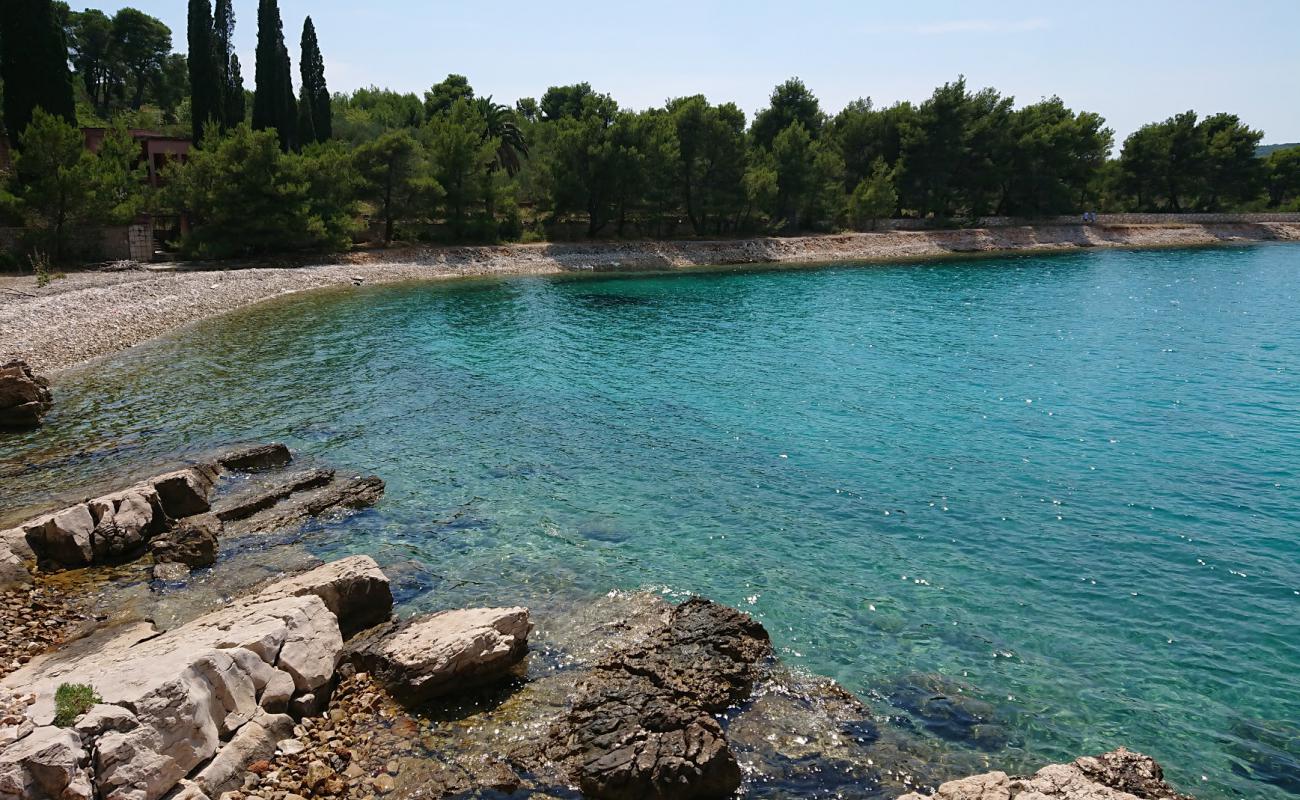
(1068,483)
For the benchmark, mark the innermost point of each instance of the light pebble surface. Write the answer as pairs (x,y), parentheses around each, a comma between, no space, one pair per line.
(90,314)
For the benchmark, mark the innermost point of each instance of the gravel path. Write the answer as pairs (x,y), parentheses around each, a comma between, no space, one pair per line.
(90,314)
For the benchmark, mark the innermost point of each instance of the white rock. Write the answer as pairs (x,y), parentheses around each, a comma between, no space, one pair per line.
(453,649)
(48,763)
(354,588)
(254,741)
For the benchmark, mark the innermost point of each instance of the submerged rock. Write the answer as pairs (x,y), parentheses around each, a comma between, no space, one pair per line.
(255,458)
(1118,775)
(948,710)
(24,396)
(1267,751)
(192,542)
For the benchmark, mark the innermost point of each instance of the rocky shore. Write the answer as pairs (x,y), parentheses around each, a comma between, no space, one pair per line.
(310,685)
(99,313)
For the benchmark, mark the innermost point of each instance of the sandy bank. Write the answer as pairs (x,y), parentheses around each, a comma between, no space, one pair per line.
(91,314)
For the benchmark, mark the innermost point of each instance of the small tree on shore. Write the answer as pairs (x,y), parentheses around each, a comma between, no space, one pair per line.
(874,198)
(61,185)
(395,176)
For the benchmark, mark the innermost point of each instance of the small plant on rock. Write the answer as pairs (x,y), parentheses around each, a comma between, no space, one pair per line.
(71,700)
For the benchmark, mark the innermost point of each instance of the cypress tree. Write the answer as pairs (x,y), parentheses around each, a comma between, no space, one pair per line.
(273,101)
(236,103)
(33,65)
(228,77)
(314,91)
(313,83)
(306,127)
(205,78)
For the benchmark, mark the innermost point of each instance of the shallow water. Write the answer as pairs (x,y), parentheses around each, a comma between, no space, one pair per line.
(1070,483)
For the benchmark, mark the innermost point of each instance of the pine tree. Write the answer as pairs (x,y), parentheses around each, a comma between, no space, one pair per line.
(273,101)
(314,91)
(205,77)
(33,65)
(228,77)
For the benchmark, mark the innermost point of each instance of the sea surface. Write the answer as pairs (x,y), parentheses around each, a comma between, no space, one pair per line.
(1068,484)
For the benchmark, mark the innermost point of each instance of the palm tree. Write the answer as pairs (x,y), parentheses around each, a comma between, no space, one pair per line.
(500,124)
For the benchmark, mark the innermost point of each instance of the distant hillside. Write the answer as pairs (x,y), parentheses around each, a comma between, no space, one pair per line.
(1265,149)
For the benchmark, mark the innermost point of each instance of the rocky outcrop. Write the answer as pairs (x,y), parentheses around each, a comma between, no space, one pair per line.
(173,515)
(1118,775)
(192,542)
(429,656)
(642,725)
(201,700)
(24,396)
(115,526)
(353,589)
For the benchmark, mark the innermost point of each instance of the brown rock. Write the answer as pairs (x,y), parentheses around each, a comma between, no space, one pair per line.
(255,458)
(192,542)
(642,725)
(24,396)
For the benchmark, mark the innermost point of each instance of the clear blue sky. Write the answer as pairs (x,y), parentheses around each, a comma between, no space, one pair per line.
(1133,62)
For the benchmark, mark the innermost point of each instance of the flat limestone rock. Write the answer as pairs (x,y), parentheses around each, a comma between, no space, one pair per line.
(170,700)
(1118,775)
(450,650)
(13,572)
(353,588)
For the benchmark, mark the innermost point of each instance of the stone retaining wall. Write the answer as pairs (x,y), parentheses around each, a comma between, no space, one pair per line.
(1102,219)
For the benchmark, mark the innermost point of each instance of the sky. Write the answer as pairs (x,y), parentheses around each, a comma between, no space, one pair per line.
(1133,62)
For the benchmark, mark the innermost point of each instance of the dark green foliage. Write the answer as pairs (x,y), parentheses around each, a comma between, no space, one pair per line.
(396,177)
(71,700)
(33,64)
(245,196)
(791,102)
(442,96)
(1182,164)
(236,108)
(874,198)
(274,106)
(61,186)
(206,96)
(229,80)
(314,95)
(143,43)
(566,102)
(1282,178)
(711,161)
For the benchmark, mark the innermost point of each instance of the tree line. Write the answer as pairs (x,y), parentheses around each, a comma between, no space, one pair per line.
(276,169)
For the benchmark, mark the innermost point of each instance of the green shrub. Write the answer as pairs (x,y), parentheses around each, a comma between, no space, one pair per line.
(41,267)
(71,700)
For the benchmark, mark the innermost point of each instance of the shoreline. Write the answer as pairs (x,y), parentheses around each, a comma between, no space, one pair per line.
(87,315)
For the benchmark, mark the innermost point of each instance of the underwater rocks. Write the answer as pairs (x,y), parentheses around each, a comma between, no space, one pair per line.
(451,650)
(947,709)
(1118,775)
(642,723)
(1267,751)
(24,396)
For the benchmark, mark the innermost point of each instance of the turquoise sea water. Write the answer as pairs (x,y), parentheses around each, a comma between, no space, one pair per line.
(1070,483)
